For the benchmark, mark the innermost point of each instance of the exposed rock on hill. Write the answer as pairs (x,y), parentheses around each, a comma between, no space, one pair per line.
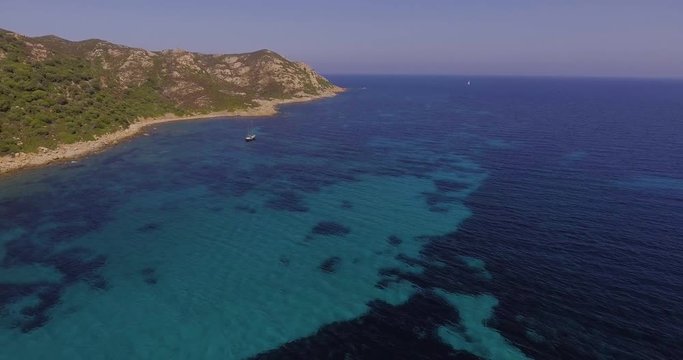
(55,91)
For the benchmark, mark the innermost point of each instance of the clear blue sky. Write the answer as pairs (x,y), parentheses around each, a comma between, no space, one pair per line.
(513,37)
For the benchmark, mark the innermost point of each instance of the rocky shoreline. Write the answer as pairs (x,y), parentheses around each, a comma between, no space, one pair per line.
(71,151)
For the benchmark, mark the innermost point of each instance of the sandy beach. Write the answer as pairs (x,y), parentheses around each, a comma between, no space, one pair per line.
(71,151)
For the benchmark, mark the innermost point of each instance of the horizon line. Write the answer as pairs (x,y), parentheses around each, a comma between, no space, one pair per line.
(611,77)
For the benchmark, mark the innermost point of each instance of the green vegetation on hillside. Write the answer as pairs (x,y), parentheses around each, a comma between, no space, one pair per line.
(55,91)
(61,100)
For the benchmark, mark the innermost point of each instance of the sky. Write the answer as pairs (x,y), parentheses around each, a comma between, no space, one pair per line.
(642,38)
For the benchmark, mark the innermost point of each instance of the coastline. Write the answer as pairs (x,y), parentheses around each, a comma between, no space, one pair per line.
(63,152)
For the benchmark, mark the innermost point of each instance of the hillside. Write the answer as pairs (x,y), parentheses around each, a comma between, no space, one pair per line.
(54,91)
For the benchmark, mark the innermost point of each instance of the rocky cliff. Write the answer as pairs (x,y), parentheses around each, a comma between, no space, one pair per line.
(56,91)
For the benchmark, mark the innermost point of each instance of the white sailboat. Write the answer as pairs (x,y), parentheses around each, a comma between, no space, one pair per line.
(251,135)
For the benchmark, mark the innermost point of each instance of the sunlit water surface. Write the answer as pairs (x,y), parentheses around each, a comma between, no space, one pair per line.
(410,217)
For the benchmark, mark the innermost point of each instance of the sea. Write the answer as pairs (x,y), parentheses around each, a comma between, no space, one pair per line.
(411,217)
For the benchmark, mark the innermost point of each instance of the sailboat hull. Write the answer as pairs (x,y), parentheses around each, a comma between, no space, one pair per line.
(250,138)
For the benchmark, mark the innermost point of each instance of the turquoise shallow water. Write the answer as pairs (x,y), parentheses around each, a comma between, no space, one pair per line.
(407,218)
(192,244)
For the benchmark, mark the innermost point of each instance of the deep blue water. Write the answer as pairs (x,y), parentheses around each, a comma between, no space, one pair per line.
(410,217)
